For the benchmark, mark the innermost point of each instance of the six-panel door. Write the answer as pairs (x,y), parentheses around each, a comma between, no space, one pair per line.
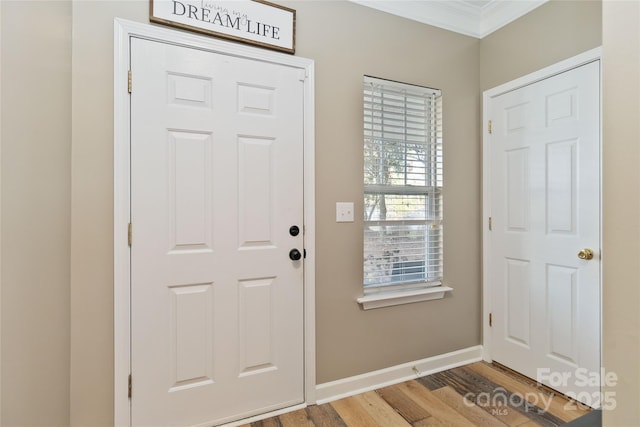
(545,208)
(216,183)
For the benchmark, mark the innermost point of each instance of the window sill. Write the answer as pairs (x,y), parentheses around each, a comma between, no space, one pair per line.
(387,299)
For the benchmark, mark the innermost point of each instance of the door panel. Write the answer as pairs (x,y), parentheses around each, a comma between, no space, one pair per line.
(216,182)
(191,344)
(562,179)
(545,208)
(255,193)
(562,305)
(517,189)
(518,302)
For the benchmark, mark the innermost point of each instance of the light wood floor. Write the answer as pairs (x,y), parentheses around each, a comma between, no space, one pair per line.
(494,397)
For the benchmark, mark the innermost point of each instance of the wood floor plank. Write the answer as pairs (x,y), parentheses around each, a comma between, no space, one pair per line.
(485,394)
(269,422)
(438,409)
(407,407)
(530,423)
(557,404)
(467,409)
(325,416)
(432,382)
(297,418)
(430,422)
(352,413)
(516,400)
(380,411)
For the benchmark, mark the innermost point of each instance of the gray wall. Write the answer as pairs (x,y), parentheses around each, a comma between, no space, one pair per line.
(550,33)
(35,110)
(621,207)
(92,208)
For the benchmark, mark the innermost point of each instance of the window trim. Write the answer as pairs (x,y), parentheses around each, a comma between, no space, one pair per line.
(402,296)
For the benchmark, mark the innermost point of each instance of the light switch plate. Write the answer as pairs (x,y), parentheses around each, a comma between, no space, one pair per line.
(344,212)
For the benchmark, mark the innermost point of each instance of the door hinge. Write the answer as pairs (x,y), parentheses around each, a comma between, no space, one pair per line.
(490,224)
(129,81)
(130,234)
(490,321)
(130,387)
(490,127)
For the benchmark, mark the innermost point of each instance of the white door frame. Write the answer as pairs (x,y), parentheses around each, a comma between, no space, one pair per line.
(560,67)
(123,31)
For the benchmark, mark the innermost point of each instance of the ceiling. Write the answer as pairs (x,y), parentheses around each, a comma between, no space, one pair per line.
(476,18)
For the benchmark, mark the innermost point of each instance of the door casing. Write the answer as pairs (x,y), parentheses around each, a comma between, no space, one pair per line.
(123,31)
(560,67)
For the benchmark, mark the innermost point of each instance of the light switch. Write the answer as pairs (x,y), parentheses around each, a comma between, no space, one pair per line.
(344,212)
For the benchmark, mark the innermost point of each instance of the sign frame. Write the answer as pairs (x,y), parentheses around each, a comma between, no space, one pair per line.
(256,22)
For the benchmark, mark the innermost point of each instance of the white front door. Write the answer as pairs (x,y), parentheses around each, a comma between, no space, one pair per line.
(545,211)
(216,194)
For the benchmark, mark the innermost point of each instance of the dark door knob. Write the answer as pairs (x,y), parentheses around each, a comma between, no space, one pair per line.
(294,230)
(295,254)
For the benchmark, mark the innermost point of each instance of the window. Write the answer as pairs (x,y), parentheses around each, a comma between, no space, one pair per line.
(402,186)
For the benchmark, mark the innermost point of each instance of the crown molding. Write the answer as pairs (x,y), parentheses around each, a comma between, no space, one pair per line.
(456,15)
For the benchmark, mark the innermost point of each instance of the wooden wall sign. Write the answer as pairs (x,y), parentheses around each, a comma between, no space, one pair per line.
(255,22)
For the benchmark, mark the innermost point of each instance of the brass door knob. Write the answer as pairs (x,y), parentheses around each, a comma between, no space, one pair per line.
(585,254)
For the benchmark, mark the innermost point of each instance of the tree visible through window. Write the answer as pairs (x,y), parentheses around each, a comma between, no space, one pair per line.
(402,185)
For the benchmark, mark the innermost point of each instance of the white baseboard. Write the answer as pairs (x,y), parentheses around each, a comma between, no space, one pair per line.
(350,386)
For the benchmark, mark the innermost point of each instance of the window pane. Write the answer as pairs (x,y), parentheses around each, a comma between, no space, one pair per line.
(393,162)
(396,254)
(402,184)
(402,207)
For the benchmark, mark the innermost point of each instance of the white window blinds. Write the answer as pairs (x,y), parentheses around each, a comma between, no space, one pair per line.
(402,185)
